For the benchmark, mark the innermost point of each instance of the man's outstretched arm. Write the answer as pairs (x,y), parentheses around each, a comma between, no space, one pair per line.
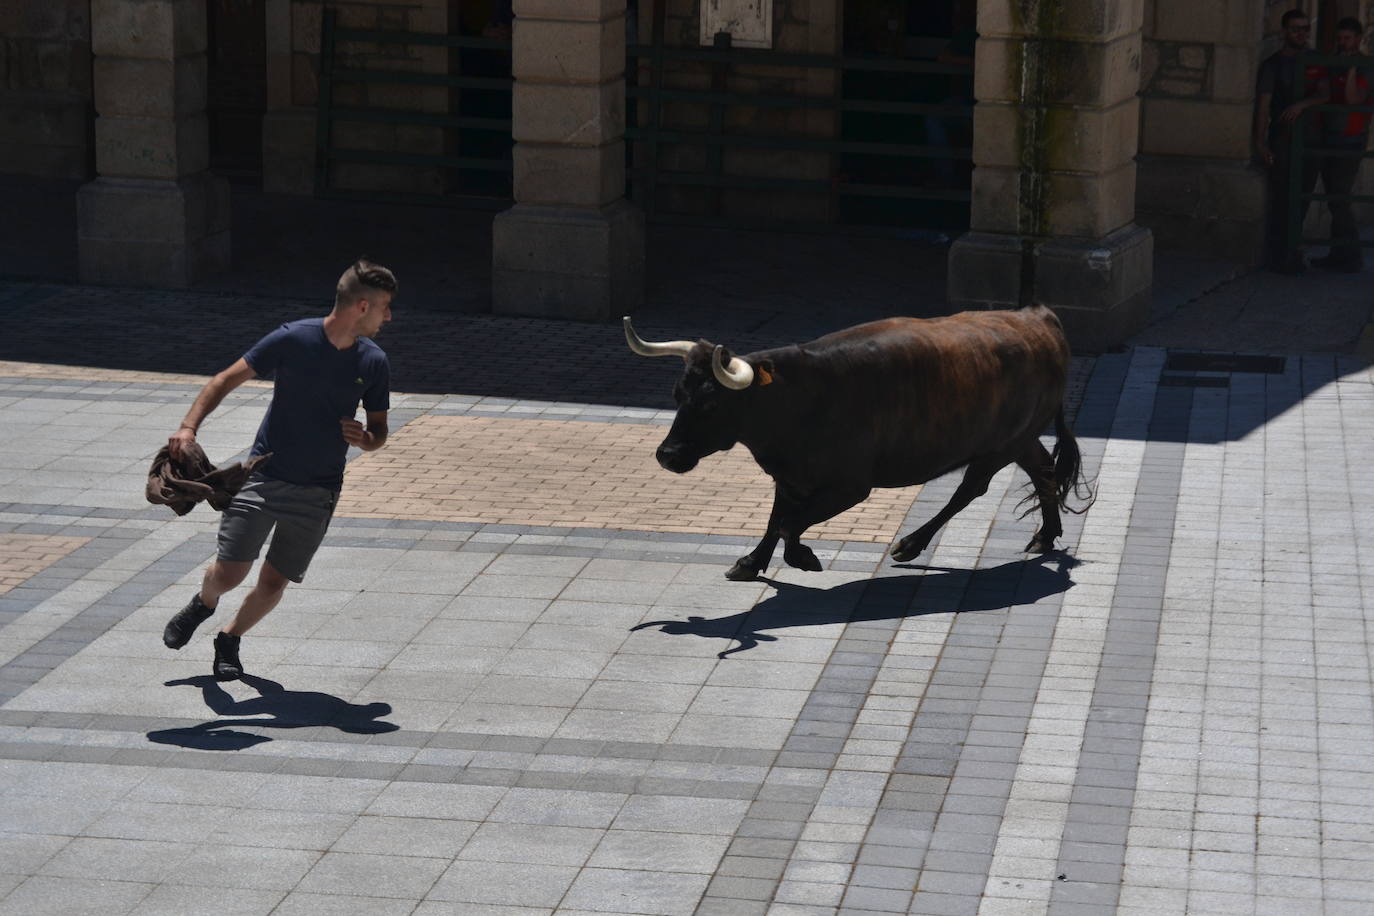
(209,398)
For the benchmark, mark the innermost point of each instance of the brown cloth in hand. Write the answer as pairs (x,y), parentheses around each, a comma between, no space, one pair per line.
(181,483)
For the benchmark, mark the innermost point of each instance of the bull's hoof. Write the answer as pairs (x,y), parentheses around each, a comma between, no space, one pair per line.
(1040,544)
(743,571)
(802,557)
(907,549)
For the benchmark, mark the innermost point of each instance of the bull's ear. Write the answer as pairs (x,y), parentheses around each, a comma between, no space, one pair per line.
(764,372)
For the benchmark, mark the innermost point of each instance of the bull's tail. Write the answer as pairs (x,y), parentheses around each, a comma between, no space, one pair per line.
(1068,469)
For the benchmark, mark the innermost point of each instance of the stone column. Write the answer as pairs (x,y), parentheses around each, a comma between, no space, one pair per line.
(572,246)
(1054,144)
(155,216)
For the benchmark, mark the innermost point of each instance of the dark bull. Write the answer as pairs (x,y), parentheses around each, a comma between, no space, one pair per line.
(890,403)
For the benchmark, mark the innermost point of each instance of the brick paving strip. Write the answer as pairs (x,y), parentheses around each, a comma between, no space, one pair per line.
(575,473)
(19,377)
(22,556)
(499,462)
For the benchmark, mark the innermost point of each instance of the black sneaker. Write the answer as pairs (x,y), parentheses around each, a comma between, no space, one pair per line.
(184,623)
(227,664)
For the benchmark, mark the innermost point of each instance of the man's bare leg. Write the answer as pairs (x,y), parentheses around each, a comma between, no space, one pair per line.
(256,605)
(258,602)
(219,578)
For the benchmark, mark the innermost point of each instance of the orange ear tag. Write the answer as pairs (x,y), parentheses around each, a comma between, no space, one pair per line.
(765,377)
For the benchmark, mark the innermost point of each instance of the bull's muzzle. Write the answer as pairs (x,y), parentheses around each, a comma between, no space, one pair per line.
(671,458)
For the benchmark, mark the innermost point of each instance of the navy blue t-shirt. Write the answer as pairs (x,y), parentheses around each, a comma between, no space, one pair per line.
(316,386)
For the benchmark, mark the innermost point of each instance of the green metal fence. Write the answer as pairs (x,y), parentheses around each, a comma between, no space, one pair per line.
(1300,151)
(875,164)
(880,167)
(477,157)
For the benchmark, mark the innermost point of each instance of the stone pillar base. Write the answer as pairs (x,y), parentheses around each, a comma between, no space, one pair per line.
(288,151)
(564,262)
(1099,289)
(1203,206)
(149,232)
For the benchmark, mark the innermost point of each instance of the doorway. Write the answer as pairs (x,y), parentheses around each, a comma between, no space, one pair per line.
(875,133)
(236,89)
(936,39)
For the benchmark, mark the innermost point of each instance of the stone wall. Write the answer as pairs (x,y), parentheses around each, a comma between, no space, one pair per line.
(799,27)
(1054,148)
(45,88)
(1197,188)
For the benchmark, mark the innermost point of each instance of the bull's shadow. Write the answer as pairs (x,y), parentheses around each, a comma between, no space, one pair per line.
(273,707)
(940,590)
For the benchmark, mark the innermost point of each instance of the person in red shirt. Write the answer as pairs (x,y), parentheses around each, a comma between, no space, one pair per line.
(1346,132)
(1283,92)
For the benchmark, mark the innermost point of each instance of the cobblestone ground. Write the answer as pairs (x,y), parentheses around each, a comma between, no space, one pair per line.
(559,705)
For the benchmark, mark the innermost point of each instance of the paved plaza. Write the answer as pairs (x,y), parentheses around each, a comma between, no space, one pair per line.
(515,681)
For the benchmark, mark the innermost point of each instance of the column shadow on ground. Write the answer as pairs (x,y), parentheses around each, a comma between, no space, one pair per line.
(274,707)
(940,590)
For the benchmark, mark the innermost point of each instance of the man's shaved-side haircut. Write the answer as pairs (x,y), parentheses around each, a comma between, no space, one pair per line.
(362,277)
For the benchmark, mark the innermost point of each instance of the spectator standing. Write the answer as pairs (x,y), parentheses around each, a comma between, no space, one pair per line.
(1283,92)
(1345,132)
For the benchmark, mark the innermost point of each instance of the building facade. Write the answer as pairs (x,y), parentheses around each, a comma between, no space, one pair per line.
(1066,141)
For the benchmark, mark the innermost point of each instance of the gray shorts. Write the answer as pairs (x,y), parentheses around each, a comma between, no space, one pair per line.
(301,515)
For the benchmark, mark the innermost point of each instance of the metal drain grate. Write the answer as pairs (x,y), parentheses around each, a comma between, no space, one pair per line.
(1224,362)
(1194,381)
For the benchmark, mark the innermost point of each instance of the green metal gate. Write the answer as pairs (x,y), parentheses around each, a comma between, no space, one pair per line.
(477,157)
(877,156)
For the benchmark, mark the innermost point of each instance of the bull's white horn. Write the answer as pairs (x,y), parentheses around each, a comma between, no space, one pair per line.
(647,348)
(737,376)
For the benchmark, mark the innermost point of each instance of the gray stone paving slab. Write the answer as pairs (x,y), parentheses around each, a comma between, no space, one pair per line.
(370,874)
(42,895)
(632,891)
(250,867)
(174,900)
(509,884)
(303,904)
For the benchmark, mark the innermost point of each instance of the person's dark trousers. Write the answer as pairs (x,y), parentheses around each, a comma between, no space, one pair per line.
(1338,177)
(1276,253)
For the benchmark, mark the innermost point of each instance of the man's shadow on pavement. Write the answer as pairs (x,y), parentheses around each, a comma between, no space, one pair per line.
(941,590)
(281,708)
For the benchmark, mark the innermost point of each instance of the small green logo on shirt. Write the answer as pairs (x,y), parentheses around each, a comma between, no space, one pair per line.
(357,381)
